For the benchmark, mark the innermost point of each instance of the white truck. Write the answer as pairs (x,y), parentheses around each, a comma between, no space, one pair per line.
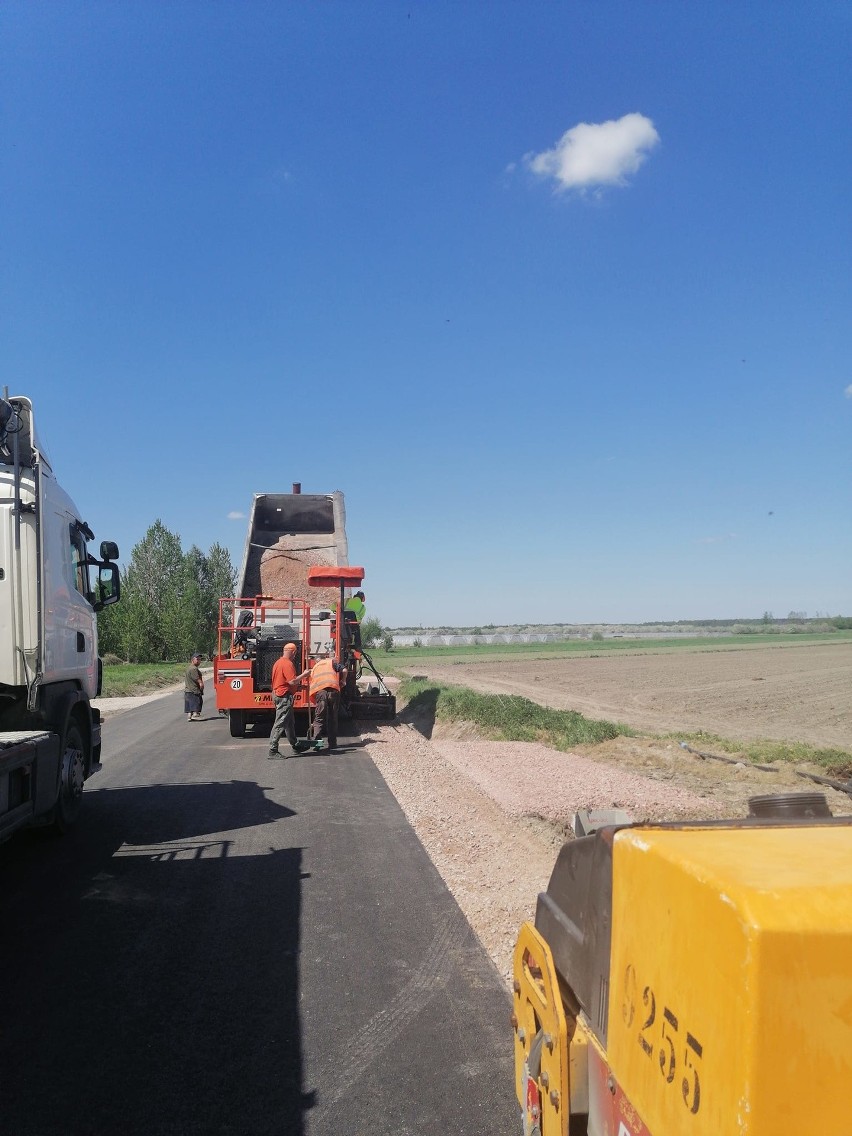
(50,589)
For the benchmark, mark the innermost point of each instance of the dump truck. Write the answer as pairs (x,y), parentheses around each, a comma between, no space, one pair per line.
(691,979)
(292,581)
(51,586)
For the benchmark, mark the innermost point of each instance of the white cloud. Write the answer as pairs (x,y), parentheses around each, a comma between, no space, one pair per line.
(848,391)
(594,154)
(235,515)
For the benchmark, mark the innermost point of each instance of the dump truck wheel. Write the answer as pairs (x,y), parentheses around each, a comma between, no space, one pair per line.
(237,723)
(72,774)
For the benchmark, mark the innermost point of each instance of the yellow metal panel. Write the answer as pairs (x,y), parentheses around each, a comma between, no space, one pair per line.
(730,1006)
(537,1006)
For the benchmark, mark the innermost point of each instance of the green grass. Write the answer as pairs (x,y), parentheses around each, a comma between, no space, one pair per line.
(586,648)
(516,719)
(129,679)
(504,717)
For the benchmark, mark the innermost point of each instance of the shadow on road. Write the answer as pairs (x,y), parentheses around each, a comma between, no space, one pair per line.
(151,969)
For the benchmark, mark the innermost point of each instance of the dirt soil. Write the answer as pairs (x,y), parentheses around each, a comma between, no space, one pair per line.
(786,693)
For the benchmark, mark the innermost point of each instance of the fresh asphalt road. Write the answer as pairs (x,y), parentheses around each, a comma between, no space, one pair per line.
(228,944)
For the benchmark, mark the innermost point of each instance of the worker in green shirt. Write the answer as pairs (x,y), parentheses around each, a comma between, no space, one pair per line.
(356,604)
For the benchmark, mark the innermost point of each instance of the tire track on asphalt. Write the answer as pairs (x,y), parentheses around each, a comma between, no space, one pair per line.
(371,1041)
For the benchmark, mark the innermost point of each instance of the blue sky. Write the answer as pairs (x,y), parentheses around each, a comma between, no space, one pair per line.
(558,294)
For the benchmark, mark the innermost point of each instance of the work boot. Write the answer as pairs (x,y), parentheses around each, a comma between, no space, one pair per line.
(318,745)
(274,753)
(301,745)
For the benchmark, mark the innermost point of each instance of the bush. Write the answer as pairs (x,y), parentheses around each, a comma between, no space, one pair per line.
(110,660)
(374,635)
(371,632)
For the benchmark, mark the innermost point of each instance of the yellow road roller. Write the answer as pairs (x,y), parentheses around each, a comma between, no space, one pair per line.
(692,979)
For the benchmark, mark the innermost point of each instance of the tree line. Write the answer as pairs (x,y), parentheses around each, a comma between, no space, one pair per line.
(169,600)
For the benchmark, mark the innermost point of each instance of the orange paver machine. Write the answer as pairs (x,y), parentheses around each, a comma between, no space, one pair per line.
(251,635)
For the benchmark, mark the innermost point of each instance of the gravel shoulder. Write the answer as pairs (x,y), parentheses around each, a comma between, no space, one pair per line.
(111,706)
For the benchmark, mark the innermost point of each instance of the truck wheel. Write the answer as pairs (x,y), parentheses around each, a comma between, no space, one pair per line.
(72,774)
(237,722)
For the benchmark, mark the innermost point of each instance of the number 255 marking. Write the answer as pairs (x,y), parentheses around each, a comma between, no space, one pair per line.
(669,1037)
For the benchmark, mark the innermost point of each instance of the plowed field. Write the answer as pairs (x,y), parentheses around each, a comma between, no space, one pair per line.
(786,693)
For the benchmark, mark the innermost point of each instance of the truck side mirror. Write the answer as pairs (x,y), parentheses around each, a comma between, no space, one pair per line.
(108,584)
(109,550)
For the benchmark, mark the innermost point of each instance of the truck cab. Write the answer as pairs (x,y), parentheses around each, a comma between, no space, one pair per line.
(51,588)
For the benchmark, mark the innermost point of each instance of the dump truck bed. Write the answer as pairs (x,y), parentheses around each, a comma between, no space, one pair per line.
(287,534)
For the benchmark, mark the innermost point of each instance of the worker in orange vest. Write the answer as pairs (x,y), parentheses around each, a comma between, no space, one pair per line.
(327,677)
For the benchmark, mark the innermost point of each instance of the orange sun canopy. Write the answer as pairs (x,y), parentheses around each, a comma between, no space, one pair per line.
(332,576)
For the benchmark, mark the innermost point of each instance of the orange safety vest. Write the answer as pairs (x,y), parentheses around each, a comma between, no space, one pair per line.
(324,677)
